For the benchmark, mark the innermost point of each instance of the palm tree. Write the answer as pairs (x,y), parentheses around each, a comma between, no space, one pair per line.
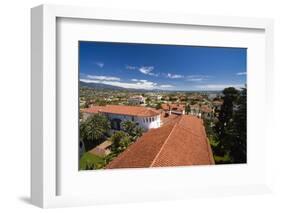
(94,129)
(132,129)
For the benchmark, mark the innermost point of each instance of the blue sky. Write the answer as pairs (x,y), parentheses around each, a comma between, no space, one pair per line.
(168,67)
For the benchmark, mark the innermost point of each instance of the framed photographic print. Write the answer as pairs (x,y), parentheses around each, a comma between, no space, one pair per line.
(146,105)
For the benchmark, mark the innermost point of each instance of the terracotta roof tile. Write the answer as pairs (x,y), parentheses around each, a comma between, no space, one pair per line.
(187,145)
(123,110)
(143,151)
(206,108)
(94,109)
(176,107)
(180,142)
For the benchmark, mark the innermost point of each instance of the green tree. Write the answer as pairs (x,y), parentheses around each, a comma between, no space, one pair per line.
(208,127)
(172,98)
(158,105)
(239,148)
(132,129)
(226,112)
(231,126)
(120,141)
(148,99)
(187,109)
(94,129)
(100,102)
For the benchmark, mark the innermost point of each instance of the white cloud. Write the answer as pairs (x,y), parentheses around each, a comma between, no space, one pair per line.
(102,77)
(138,80)
(146,70)
(173,76)
(241,73)
(133,84)
(166,86)
(138,84)
(143,81)
(218,86)
(197,78)
(89,80)
(99,64)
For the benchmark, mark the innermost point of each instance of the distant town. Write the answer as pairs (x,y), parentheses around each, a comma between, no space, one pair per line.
(158,105)
(124,128)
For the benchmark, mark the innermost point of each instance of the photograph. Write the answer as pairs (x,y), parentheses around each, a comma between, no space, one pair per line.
(161,105)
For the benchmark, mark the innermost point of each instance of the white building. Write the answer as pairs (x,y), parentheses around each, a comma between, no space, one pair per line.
(136,100)
(145,117)
(206,112)
(178,109)
(195,110)
(203,111)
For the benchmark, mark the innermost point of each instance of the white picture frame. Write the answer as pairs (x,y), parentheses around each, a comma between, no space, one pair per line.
(44,154)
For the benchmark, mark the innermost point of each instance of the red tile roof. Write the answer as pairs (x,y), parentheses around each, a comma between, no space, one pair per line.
(94,109)
(164,118)
(206,108)
(180,142)
(123,110)
(175,107)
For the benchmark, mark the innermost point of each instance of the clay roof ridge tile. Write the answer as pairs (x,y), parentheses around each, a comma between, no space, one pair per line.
(162,147)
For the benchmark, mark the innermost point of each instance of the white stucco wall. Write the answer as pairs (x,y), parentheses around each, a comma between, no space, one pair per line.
(145,122)
(177,112)
(195,112)
(149,122)
(136,101)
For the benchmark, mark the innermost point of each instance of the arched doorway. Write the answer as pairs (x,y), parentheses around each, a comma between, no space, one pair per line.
(116,124)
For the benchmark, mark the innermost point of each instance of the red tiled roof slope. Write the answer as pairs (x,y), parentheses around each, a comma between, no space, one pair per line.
(180,142)
(94,109)
(187,145)
(143,151)
(123,110)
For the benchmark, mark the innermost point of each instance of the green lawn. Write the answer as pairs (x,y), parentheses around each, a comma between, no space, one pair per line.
(90,161)
(218,159)
(222,159)
(213,142)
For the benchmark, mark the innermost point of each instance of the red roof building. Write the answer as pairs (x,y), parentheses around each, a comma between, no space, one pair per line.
(123,110)
(180,142)
(93,109)
(174,108)
(145,117)
(206,109)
